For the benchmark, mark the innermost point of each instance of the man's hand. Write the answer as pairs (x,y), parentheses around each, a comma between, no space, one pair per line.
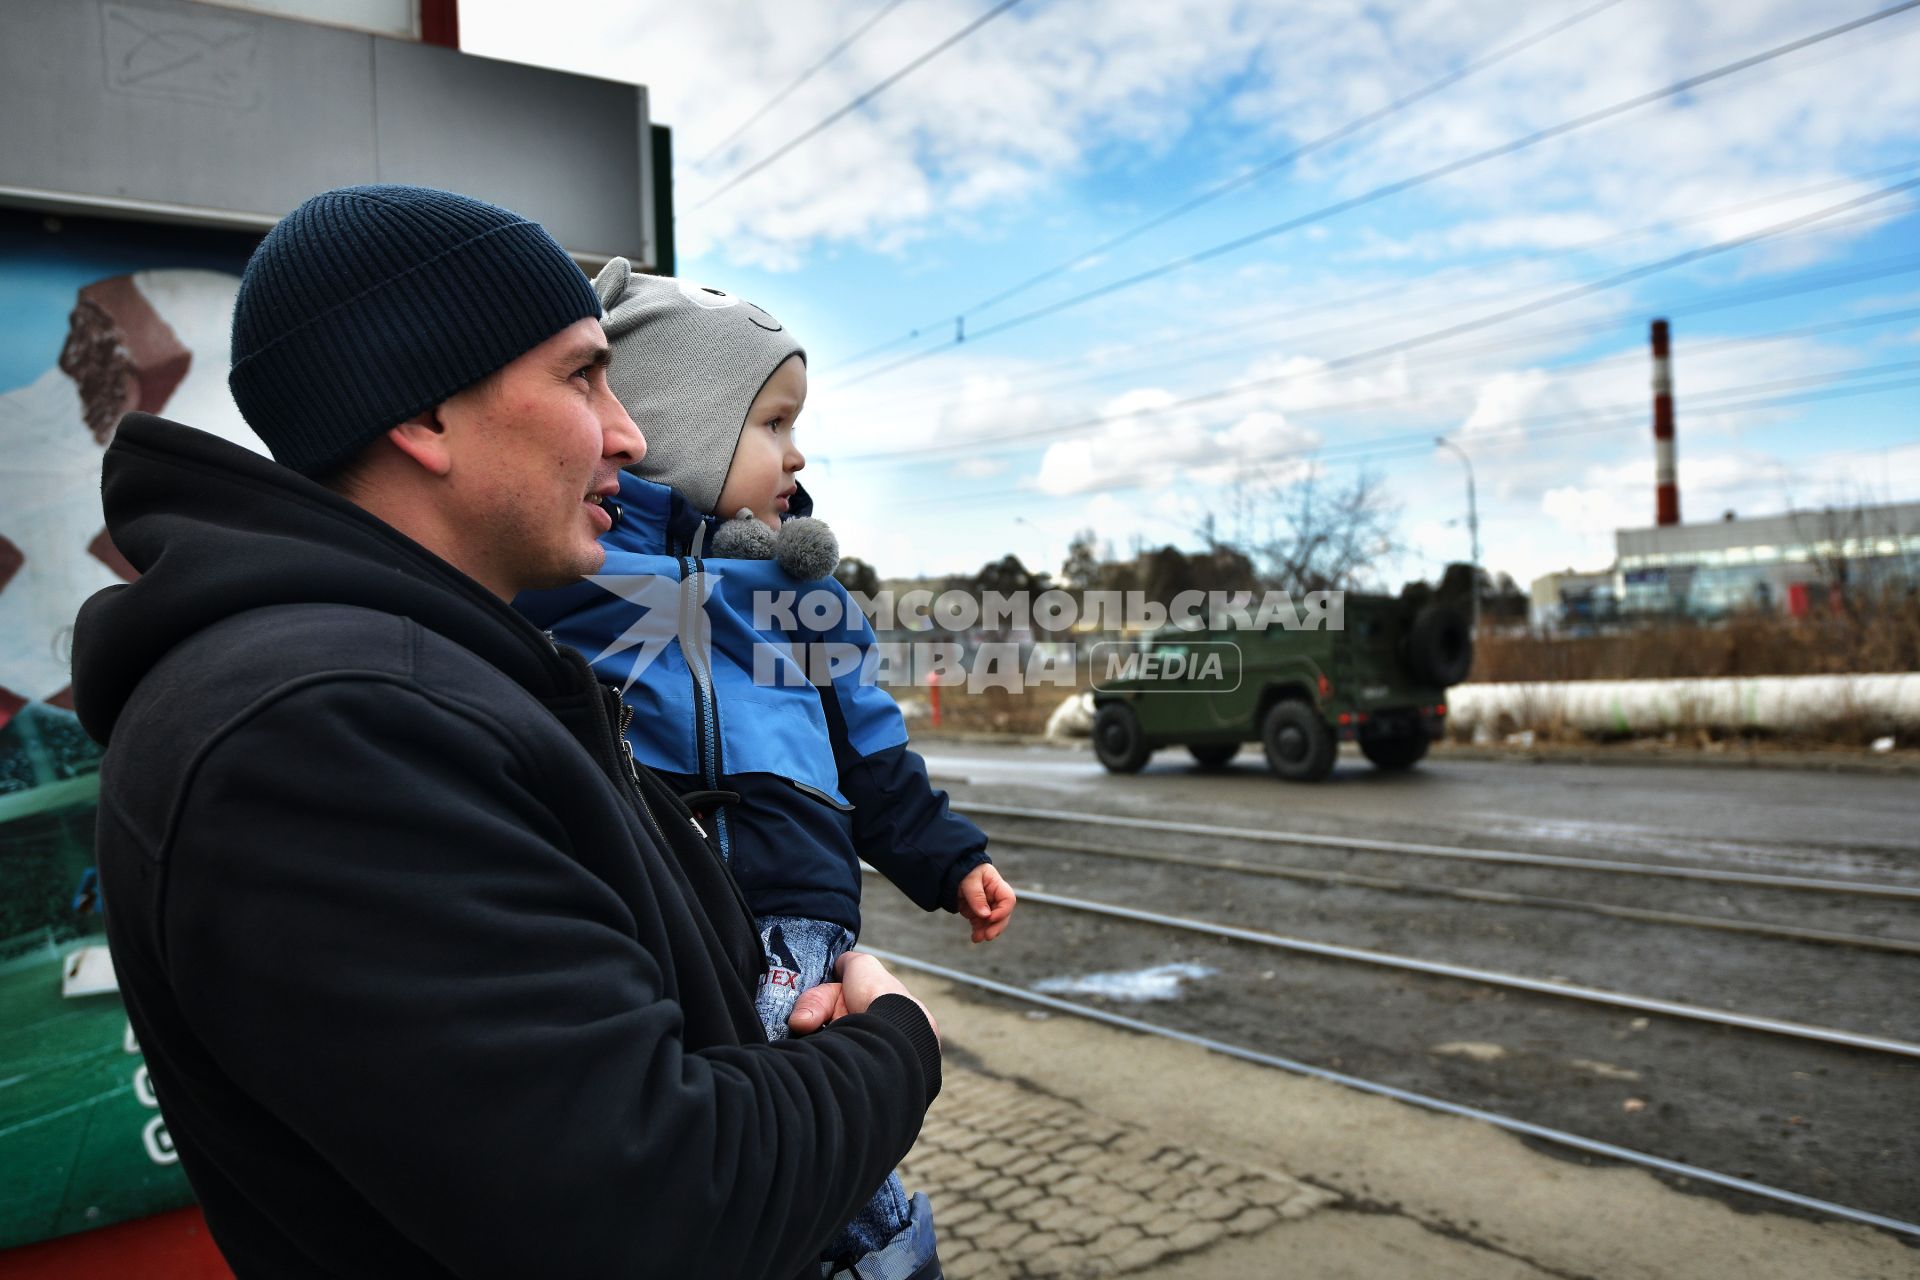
(986,900)
(863,979)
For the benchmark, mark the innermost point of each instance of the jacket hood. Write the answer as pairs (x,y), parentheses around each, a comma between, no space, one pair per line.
(215,531)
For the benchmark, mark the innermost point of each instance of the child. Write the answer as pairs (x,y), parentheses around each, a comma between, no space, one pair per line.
(793,783)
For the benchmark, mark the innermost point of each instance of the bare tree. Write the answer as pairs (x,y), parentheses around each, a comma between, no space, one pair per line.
(1318,536)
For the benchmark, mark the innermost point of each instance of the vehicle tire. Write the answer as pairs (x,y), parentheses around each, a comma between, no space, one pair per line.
(1396,753)
(1213,755)
(1118,739)
(1300,747)
(1440,646)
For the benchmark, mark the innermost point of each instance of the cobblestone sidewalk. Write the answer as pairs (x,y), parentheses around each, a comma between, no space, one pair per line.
(1025,1184)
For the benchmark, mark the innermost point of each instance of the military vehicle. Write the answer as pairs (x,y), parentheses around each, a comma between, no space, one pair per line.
(1379,678)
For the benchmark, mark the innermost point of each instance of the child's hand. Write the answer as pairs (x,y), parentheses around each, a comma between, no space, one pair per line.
(986,900)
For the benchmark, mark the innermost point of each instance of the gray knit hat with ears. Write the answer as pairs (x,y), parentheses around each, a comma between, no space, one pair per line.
(687,363)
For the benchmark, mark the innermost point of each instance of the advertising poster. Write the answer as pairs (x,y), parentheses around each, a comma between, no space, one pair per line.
(97,318)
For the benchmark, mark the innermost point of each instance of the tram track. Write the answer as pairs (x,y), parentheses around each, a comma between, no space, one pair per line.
(1561,862)
(1604,997)
(1512,1124)
(1500,897)
(1486,977)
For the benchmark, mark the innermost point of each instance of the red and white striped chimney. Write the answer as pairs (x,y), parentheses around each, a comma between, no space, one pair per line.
(1666,502)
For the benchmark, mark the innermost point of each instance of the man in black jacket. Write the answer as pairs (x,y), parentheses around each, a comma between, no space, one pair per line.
(430,980)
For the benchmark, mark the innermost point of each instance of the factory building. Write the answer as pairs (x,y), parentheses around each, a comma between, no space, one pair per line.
(1792,563)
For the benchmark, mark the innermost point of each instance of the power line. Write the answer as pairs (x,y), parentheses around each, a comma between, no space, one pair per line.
(1230,185)
(1560,371)
(1246,328)
(1469,326)
(1237,354)
(865,98)
(803,77)
(1402,185)
(973,448)
(1525,255)
(1613,418)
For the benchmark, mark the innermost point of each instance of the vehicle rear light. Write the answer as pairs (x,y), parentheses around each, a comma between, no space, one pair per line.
(1359,717)
(1440,710)
(1345,718)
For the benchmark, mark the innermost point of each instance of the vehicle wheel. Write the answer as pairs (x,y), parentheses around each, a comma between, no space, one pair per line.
(1440,645)
(1395,753)
(1300,746)
(1117,739)
(1213,755)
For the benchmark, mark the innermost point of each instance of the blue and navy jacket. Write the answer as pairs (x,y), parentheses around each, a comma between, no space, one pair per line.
(799,781)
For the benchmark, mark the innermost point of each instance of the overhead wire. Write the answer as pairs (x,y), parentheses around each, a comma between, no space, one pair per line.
(1239,181)
(861,100)
(826,58)
(1799,66)
(974,448)
(1585,421)
(1402,185)
(1238,354)
(1248,328)
(1474,324)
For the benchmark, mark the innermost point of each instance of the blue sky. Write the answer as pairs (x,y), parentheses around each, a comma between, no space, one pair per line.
(1063,123)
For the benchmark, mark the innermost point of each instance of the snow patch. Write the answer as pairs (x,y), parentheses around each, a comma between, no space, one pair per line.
(1162,982)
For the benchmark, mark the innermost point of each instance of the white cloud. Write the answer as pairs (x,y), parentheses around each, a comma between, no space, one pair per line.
(991,140)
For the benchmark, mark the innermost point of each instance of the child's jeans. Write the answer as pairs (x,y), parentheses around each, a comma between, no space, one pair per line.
(801,954)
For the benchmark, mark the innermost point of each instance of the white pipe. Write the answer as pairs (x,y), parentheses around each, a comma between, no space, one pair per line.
(1889,702)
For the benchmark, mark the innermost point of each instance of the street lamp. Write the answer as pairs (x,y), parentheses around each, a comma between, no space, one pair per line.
(1048,549)
(1473,522)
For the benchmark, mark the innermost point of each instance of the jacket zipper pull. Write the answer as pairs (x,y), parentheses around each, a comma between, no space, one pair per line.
(625,718)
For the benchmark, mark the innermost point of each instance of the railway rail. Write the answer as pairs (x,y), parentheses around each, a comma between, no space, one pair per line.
(1719,1101)
(1511,1124)
(1715,875)
(1485,977)
(1501,897)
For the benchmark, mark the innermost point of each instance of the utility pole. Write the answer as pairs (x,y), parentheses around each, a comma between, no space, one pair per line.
(1473,522)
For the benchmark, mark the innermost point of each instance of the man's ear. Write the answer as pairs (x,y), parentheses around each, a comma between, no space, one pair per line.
(423,439)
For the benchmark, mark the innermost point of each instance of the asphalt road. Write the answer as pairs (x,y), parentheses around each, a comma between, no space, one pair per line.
(1812,823)
(1840,1124)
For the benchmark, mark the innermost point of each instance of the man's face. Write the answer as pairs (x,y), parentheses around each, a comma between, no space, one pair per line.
(761,477)
(534,450)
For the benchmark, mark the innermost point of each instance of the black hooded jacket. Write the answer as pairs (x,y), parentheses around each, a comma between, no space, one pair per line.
(429,980)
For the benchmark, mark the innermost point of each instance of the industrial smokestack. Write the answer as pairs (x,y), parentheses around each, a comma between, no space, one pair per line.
(1666,493)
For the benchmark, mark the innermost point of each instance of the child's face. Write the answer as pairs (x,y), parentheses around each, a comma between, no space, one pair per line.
(761,478)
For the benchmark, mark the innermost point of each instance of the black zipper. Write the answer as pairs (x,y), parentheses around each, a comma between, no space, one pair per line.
(620,716)
(707,711)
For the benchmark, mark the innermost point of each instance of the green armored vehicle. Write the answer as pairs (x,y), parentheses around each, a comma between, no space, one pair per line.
(1379,678)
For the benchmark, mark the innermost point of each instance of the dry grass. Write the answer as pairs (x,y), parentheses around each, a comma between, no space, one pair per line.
(1871,635)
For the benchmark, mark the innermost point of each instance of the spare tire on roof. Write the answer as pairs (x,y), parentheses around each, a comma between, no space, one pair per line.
(1440,645)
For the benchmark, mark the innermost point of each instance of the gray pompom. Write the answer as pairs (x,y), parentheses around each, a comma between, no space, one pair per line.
(807,548)
(742,538)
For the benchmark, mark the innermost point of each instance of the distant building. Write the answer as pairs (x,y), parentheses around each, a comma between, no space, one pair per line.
(1574,601)
(1791,563)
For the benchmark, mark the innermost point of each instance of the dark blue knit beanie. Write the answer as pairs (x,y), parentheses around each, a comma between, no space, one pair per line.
(368,305)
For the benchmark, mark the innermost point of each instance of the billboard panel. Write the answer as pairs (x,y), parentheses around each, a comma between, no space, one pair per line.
(95,319)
